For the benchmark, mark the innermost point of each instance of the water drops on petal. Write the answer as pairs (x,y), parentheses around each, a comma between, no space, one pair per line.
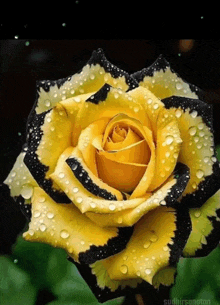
(124,269)
(64,234)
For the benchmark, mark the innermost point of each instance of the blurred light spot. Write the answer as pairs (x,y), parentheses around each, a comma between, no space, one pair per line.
(186,45)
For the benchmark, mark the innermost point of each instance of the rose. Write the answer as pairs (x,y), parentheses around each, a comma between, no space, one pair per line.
(120,170)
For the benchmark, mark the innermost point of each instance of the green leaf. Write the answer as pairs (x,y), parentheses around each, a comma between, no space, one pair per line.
(15,284)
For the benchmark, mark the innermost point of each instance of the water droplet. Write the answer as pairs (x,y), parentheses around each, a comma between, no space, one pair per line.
(119,220)
(77,99)
(162,202)
(194,185)
(169,140)
(61,175)
(165,248)
(47,103)
(49,120)
(42,199)
(15,260)
(64,234)
(153,238)
(125,257)
(214,159)
(192,130)
(82,242)
(79,199)
(36,214)
(13,174)
(138,273)
(27,191)
(201,126)
(75,190)
(116,95)
(50,215)
(156,106)
(124,269)
(27,43)
(147,271)
(179,86)
(31,232)
(16,36)
(199,173)
(147,244)
(149,101)
(194,114)
(43,227)
(197,214)
(74,167)
(178,113)
(92,76)
(112,207)
(93,205)
(136,109)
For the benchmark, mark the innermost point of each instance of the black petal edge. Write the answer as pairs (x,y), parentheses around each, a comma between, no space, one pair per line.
(113,246)
(162,64)
(84,178)
(12,220)
(182,232)
(36,168)
(212,239)
(211,184)
(106,294)
(98,57)
(182,174)
(100,95)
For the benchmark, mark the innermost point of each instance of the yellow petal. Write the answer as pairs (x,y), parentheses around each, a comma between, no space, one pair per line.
(146,253)
(65,227)
(166,195)
(90,78)
(108,102)
(19,177)
(160,79)
(205,228)
(79,194)
(168,144)
(86,139)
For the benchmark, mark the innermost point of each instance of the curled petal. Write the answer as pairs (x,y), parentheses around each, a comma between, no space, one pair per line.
(65,227)
(167,195)
(87,198)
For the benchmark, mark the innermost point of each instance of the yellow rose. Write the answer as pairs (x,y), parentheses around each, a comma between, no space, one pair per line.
(120,170)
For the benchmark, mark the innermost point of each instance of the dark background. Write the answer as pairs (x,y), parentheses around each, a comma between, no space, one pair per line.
(23,61)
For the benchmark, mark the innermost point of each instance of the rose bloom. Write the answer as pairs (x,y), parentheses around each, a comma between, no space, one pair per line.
(120,171)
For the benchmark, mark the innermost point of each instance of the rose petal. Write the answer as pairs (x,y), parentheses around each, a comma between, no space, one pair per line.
(197,152)
(168,144)
(19,176)
(43,150)
(167,195)
(151,250)
(205,233)
(65,227)
(160,79)
(108,102)
(86,197)
(122,176)
(91,77)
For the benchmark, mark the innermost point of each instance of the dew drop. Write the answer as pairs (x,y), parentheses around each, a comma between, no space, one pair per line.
(31,232)
(156,106)
(36,214)
(124,269)
(61,175)
(27,191)
(75,190)
(194,114)
(138,273)
(43,227)
(192,130)
(42,199)
(82,242)
(15,260)
(13,174)
(178,113)
(112,207)
(153,238)
(77,99)
(169,140)
(199,173)
(149,101)
(136,109)
(64,234)
(79,199)
(147,244)
(165,248)
(47,103)
(162,202)
(147,271)
(197,214)
(179,86)
(92,76)
(93,205)
(50,215)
